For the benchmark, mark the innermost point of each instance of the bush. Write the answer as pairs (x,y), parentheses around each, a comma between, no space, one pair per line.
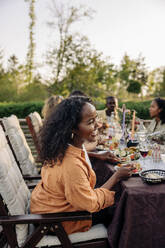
(142,108)
(21,110)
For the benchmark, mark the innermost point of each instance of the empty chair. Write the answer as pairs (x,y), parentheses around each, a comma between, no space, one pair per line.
(34,122)
(15,220)
(19,145)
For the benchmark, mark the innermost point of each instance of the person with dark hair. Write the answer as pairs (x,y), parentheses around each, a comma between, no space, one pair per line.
(77,93)
(157,126)
(68,180)
(50,104)
(111,107)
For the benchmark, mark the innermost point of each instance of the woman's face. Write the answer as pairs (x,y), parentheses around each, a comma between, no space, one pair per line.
(111,104)
(88,127)
(154,109)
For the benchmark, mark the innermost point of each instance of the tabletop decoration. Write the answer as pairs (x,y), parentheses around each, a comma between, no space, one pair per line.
(122,140)
(133,126)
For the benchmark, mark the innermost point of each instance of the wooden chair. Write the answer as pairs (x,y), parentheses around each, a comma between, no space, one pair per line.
(34,122)
(19,146)
(18,226)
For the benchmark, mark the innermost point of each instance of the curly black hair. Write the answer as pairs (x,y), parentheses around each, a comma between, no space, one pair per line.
(56,133)
(161,104)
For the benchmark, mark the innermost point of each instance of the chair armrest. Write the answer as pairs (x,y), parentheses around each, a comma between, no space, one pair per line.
(45,218)
(31,185)
(33,177)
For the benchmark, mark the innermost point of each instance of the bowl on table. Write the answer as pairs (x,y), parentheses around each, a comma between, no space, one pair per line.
(152,176)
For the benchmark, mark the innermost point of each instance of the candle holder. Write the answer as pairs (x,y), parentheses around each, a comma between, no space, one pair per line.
(132,143)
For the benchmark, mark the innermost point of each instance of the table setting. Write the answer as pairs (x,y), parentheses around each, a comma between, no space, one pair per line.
(133,146)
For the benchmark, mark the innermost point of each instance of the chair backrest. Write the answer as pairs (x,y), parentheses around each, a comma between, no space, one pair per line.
(14,200)
(13,190)
(19,145)
(34,122)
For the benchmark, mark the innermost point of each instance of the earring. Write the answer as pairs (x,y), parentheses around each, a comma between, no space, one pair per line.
(72,135)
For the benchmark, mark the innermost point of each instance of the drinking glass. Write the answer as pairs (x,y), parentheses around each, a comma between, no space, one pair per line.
(144,149)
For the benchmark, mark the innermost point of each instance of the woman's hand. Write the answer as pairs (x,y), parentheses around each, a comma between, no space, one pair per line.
(124,171)
(109,157)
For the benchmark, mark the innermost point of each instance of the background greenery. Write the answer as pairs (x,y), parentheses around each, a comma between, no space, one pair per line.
(73,64)
(21,110)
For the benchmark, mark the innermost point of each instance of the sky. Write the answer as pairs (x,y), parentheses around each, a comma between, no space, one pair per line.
(118,27)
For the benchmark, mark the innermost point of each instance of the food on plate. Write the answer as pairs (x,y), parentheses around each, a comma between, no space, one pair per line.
(131,153)
(153,176)
(114,145)
(136,165)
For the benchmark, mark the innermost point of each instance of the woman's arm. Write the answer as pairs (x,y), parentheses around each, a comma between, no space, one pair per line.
(123,172)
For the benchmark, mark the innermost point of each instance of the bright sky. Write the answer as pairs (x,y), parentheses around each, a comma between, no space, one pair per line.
(118,27)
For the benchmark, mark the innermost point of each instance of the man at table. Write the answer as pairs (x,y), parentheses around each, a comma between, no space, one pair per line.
(111,107)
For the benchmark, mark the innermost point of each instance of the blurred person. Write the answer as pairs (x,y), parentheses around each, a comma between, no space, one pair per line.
(77,93)
(50,104)
(111,107)
(157,113)
(68,180)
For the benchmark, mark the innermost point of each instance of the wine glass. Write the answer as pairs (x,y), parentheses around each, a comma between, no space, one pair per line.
(144,149)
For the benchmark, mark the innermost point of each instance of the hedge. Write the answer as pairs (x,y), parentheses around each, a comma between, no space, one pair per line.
(21,110)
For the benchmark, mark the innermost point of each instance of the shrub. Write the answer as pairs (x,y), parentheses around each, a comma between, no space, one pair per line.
(142,108)
(21,110)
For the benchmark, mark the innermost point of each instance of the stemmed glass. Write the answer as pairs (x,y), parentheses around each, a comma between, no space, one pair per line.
(144,149)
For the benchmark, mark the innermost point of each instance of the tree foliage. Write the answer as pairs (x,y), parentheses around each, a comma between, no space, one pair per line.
(75,64)
(133,74)
(67,45)
(31,48)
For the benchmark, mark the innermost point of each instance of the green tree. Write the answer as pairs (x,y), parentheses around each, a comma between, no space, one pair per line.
(63,55)
(87,70)
(161,92)
(133,74)
(8,88)
(33,92)
(155,78)
(31,49)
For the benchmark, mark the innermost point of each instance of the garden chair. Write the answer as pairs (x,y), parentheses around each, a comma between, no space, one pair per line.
(30,179)
(34,122)
(19,145)
(23,230)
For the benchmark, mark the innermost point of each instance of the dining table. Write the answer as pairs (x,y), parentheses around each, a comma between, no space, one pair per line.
(139,217)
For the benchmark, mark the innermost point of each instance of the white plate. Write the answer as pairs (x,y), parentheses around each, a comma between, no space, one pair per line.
(101,152)
(133,174)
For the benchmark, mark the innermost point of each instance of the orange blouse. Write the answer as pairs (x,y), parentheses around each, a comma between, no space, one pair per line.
(69,187)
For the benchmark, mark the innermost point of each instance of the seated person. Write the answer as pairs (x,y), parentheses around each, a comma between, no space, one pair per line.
(68,180)
(157,113)
(77,93)
(50,104)
(91,146)
(111,106)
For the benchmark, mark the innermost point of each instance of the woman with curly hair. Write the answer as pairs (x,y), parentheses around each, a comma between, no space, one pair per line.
(68,180)
(157,126)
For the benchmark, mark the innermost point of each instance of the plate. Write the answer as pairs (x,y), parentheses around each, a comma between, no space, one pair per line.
(101,152)
(145,176)
(133,174)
